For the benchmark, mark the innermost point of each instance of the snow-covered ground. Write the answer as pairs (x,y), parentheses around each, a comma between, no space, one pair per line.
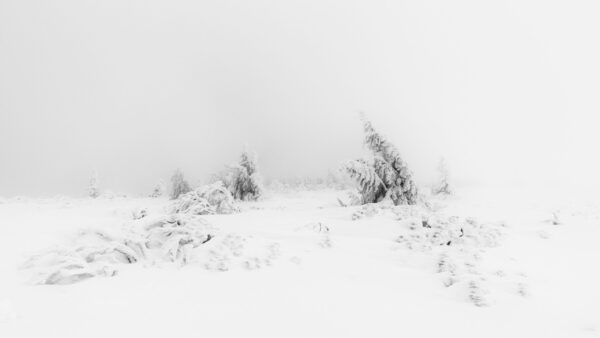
(296,264)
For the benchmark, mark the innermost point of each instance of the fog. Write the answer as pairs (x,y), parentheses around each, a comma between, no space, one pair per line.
(506,91)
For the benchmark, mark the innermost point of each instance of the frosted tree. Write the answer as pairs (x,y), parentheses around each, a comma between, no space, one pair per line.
(370,185)
(246,181)
(179,185)
(442,187)
(93,189)
(242,179)
(385,175)
(159,189)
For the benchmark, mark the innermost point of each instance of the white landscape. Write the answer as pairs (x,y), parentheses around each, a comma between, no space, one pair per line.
(297,264)
(299,168)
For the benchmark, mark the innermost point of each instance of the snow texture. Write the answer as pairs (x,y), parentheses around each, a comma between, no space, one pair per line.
(504,263)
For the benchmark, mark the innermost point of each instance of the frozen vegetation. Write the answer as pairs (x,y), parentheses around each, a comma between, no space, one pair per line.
(385,174)
(357,254)
(298,264)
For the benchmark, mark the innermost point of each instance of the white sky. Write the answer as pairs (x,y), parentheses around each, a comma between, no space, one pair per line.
(507,91)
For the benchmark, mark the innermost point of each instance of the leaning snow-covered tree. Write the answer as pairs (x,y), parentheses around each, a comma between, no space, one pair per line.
(385,175)
(93,189)
(242,179)
(179,185)
(442,187)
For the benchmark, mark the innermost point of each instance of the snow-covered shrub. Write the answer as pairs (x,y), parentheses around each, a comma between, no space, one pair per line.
(174,238)
(207,200)
(242,180)
(192,203)
(66,267)
(179,185)
(93,189)
(385,175)
(218,196)
(442,187)
(100,254)
(96,254)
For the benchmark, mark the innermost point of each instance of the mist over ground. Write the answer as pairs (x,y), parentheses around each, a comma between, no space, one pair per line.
(505,91)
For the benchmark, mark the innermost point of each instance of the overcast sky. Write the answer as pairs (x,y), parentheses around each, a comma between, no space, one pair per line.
(507,91)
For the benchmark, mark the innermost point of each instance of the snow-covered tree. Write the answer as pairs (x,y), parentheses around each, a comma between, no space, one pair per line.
(385,175)
(370,185)
(179,185)
(159,189)
(242,179)
(93,189)
(246,180)
(442,187)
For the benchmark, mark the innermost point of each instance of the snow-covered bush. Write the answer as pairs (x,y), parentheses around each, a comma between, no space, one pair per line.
(93,189)
(385,175)
(191,203)
(219,197)
(242,180)
(96,253)
(179,185)
(442,187)
(100,254)
(174,238)
(206,200)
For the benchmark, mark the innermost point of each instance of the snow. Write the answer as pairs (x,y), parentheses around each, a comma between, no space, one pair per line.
(297,264)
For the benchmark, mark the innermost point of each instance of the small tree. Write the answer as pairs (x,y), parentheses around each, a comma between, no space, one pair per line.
(93,189)
(159,189)
(385,175)
(179,185)
(242,179)
(246,181)
(442,187)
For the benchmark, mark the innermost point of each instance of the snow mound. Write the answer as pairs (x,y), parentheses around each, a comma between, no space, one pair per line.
(100,254)
(174,239)
(207,200)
